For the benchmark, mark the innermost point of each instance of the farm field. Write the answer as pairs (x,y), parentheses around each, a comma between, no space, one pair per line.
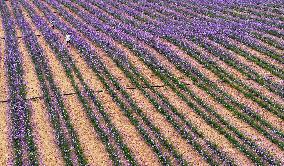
(150,82)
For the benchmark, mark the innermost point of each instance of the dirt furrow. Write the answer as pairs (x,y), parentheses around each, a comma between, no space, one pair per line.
(232,71)
(262,72)
(59,75)
(61,82)
(234,93)
(3,89)
(166,128)
(32,83)
(112,67)
(2,33)
(243,127)
(126,132)
(5,153)
(90,142)
(141,150)
(239,124)
(257,54)
(208,131)
(49,152)
(105,126)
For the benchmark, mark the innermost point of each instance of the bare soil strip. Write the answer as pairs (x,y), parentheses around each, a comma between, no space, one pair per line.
(114,111)
(237,95)
(3,89)
(2,33)
(243,78)
(141,67)
(239,124)
(208,131)
(140,149)
(112,66)
(49,152)
(87,73)
(258,54)
(30,76)
(261,71)
(109,65)
(93,148)
(61,82)
(59,76)
(4,141)
(90,142)
(166,128)
(230,70)
(239,120)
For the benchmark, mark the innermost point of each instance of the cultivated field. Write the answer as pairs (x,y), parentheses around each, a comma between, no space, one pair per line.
(141,82)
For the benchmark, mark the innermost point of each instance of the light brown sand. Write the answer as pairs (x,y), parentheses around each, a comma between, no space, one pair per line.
(3,85)
(49,151)
(167,129)
(4,152)
(90,142)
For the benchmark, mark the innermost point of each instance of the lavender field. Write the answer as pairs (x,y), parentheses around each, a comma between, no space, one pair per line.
(141,82)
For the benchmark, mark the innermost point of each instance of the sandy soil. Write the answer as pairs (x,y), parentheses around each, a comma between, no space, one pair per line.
(32,83)
(208,131)
(58,72)
(2,33)
(3,85)
(166,128)
(4,152)
(237,95)
(140,149)
(262,72)
(90,142)
(257,54)
(49,151)
(87,73)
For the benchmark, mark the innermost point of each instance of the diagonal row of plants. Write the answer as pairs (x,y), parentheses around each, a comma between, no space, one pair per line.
(256,60)
(233,12)
(264,27)
(193,52)
(67,138)
(223,40)
(250,95)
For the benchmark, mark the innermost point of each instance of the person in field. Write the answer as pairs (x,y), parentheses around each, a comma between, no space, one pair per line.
(67,39)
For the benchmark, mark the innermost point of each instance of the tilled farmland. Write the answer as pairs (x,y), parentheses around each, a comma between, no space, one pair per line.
(150,82)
